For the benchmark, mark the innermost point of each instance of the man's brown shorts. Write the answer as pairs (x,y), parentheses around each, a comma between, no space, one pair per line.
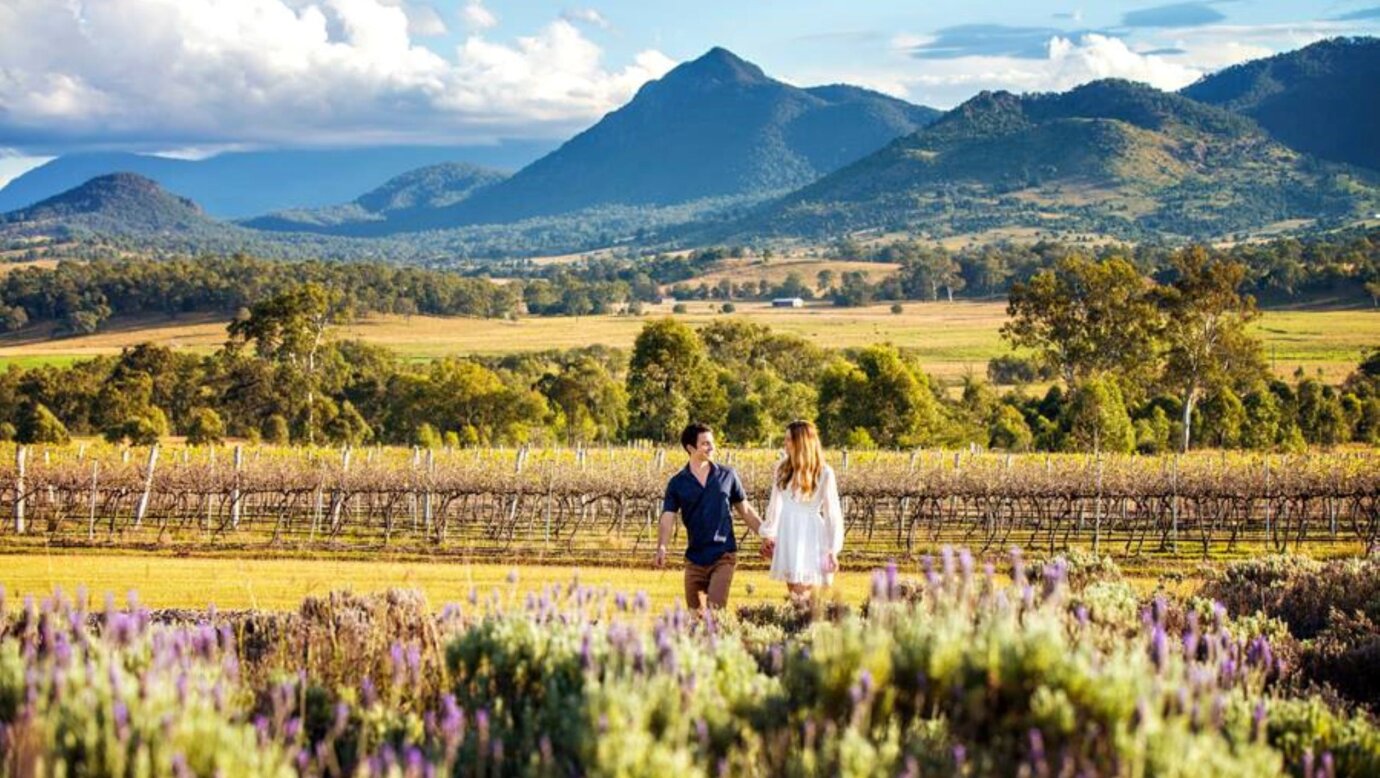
(710,581)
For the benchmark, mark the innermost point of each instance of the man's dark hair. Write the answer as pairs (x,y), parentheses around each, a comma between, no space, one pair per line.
(690,436)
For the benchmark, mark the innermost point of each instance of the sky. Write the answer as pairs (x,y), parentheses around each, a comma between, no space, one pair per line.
(193,78)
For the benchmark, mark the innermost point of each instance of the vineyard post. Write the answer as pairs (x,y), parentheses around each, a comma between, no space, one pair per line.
(338,499)
(1097,509)
(81,452)
(143,505)
(426,498)
(412,493)
(1332,503)
(91,524)
(21,454)
(1268,504)
(1174,505)
(235,488)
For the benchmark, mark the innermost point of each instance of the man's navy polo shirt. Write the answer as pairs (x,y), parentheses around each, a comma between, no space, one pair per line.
(706,510)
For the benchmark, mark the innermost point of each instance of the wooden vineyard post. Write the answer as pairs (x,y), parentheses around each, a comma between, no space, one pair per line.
(546,535)
(1097,509)
(426,497)
(1174,506)
(142,507)
(338,502)
(95,474)
(235,488)
(1268,504)
(21,455)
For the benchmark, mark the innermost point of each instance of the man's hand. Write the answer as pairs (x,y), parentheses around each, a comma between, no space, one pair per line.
(660,556)
(768,548)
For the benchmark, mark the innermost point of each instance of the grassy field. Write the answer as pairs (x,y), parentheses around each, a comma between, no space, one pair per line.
(952,338)
(278,584)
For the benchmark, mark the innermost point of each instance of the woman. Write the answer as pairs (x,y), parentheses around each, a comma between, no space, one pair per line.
(803,518)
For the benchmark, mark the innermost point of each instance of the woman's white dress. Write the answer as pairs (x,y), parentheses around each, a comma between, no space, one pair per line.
(804,528)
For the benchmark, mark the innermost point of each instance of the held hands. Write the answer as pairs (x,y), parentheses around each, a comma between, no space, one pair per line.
(768,549)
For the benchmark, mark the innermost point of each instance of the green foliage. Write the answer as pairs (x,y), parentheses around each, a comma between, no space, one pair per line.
(1097,418)
(882,393)
(275,430)
(670,382)
(37,424)
(1086,318)
(1010,431)
(206,427)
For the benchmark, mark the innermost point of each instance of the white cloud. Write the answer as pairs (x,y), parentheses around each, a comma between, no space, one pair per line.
(477,17)
(586,16)
(1068,62)
(202,73)
(1098,56)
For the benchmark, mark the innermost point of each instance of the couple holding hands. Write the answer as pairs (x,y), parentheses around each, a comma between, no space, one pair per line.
(802,532)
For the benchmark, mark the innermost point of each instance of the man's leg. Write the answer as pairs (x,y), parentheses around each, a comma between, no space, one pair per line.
(721,580)
(697,580)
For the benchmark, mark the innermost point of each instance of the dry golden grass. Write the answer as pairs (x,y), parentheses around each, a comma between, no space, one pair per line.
(951,338)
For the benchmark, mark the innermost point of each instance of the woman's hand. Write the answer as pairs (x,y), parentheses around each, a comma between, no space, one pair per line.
(768,548)
(831,562)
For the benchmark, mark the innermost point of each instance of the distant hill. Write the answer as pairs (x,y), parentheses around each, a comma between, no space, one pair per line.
(711,128)
(401,197)
(1321,99)
(1111,156)
(248,184)
(120,204)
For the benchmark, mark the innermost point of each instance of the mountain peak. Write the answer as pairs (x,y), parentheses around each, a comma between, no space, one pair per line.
(118,190)
(117,203)
(719,65)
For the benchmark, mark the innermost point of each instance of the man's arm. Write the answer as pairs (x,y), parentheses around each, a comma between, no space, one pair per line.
(749,516)
(663,536)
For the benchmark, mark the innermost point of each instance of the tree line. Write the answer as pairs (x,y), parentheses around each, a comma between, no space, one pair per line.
(78,296)
(1138,365)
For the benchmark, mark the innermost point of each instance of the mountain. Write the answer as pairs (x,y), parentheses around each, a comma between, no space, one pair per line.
(1111,156)
(121,204)
(401,197)
(1314,99)
(246,184)
(716,127)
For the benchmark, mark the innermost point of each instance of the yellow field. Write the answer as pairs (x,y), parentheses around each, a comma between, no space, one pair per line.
(952,338)
(281,584)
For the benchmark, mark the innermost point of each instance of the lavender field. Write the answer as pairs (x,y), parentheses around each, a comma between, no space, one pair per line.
(981,667)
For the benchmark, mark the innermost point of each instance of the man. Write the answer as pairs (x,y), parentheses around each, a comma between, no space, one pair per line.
(705,495)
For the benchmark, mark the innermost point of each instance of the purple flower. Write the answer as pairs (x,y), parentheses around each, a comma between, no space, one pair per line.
(1037,746)
(1159,648)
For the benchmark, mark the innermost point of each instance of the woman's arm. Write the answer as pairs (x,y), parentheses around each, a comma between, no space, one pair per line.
(772,520)
(833,513)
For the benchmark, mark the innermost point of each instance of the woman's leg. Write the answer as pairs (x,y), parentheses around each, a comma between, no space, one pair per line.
(800,592)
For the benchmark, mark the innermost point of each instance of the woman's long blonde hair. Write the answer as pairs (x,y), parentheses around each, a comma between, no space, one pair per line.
(804,460)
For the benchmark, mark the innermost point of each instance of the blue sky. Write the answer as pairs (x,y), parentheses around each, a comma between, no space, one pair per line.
(194,77)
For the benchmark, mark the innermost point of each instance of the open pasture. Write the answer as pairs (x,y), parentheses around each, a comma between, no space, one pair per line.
(952,339)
